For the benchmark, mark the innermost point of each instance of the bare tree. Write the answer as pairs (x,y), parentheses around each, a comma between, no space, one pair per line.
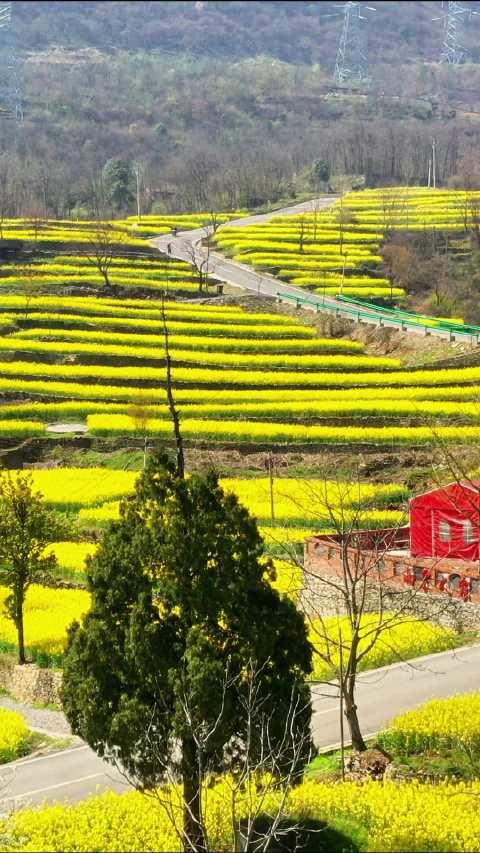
(200,261)
(29,287)
(170,398)
(258,768)
(302,227)
(358,582)
(316,209)
(101,250)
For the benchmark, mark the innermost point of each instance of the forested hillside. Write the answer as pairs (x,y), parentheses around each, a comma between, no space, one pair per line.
(227,104)
(298,32)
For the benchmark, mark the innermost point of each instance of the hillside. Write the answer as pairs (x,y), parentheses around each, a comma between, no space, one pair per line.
(191,92)
(235,29)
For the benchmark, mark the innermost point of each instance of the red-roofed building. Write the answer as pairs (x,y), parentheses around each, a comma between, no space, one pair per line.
(444,522)
(441,542)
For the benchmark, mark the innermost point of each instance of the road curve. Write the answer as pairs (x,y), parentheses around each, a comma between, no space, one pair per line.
(77,772)
(187,243)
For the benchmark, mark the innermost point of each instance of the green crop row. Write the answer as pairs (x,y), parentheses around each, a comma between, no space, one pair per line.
(50,388)
(108,425)
(234,329)
(93,279)
(197,342)
(146,309)
(310,362)
(251,378)
(435,411)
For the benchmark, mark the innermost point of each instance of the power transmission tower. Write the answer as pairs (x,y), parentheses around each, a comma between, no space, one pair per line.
(351,62)
(454,19)
(10,98)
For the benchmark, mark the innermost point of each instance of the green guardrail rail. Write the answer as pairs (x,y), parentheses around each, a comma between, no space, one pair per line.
(398,313)
(447,325)
(403,318)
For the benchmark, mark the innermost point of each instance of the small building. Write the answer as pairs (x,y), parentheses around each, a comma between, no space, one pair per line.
(444,522)
(438,552)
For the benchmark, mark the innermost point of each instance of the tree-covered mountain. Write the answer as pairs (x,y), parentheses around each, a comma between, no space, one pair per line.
(298,32)
(227,103)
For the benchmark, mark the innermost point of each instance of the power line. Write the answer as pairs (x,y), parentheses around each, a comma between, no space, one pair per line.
(454,20)
(351,62)
(10,98)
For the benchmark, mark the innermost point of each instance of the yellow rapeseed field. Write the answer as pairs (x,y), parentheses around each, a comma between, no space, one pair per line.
(402,639)
(438,723)
(395,818)
(14,735)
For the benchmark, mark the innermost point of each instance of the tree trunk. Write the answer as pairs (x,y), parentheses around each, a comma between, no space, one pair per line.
(358,742)
(194,836)
(19,622)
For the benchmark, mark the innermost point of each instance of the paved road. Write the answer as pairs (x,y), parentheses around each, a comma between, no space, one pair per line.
(187,243)
(77,772)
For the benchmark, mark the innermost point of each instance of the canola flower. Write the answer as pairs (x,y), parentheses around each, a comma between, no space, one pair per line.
(310,501)
(241,360)
(312,246)
(197,342)
(70,488)
(436,724)
(72,555)
(395,818)
(404,638)
(254,431)
(14,736)
(47,615)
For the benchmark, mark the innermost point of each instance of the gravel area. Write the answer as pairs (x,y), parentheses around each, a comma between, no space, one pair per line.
(52,722)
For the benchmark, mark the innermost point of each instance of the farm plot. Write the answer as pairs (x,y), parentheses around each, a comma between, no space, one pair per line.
(154,224)
(238,377)
(336,251)
(287,511)
(90,254)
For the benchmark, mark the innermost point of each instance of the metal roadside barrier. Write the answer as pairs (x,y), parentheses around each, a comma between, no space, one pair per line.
(375,313)
(414,318)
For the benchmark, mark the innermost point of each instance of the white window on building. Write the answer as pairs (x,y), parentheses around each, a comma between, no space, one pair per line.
(468,532)
(444,531)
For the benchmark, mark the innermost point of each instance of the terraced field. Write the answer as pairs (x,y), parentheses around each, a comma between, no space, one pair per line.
(239,376)
(336,251)
(292,510)
(55,254)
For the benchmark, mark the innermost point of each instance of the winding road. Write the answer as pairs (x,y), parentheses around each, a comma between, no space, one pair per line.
(188,244)
(76,772)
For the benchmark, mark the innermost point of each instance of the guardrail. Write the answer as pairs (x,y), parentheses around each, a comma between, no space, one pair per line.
(374,315)
(395,313)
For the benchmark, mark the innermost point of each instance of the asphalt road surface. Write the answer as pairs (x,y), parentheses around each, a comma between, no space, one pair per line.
(186,245)
(77,772)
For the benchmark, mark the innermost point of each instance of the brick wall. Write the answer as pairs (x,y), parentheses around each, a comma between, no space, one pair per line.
(321,593)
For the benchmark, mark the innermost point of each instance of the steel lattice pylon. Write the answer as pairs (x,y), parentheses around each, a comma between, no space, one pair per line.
(10,97)
(351,62)
(453,53)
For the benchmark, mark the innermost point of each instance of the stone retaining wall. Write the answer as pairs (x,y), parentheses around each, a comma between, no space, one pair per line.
(319,597)
(29,683)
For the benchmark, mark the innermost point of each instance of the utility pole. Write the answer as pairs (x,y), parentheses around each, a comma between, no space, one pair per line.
(343,272)
(137,176)
(270,477)
(434,165)
(342,732)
